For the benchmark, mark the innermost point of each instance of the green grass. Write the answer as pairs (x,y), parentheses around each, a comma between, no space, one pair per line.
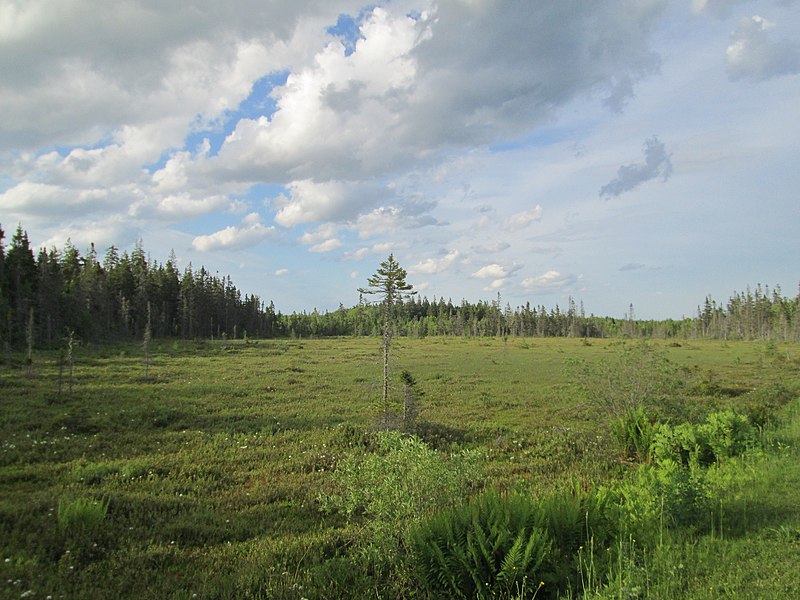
(212,466)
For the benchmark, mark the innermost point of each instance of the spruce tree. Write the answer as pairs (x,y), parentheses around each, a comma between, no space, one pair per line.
(389,283)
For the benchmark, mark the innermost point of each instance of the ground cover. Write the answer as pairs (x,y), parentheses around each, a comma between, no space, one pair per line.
(214,463)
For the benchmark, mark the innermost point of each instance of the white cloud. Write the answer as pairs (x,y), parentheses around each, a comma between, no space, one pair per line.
(719,8)
(656,164)
(388,219)
(311,201)
(356,255)
(320,234)
(495,285)
(752,54)
(281,272)
(491,271)
(249,233)
(430,266)
(521,220)
(326,246)
(73,71)
(551,280)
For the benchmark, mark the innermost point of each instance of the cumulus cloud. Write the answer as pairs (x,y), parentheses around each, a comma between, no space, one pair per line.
(311,201)
(521,220)
(281,272)
(249,233)
(496,271)
(326,246)
(72,72)
(753,54)
(416,87)
(549,281)
(431,266)
(386,219)
(490,271)
(495,285)
(356,254)
(120,91)
(656,164)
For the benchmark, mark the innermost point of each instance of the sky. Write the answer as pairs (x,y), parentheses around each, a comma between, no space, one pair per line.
(618,152)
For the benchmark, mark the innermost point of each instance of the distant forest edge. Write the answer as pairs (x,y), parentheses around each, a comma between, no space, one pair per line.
(44,297)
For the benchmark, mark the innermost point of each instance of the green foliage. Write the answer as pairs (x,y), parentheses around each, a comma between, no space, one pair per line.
(213,469)
(763,404)
(659,496)
(501,545)
(723,435)
(634,376)
(728,434)
(634,433)
(489,547)
(81,515)
(401,482)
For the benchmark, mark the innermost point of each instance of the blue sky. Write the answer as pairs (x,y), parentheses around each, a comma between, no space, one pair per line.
(619,152)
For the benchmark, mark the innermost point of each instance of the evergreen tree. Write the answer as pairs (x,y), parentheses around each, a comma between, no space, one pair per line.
(388,282)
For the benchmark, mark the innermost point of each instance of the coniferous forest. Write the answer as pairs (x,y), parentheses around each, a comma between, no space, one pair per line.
(47,294)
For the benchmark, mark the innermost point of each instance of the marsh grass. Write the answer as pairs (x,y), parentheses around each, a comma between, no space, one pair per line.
(212,469)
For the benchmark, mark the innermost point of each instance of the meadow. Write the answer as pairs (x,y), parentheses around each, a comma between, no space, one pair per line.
(218,469)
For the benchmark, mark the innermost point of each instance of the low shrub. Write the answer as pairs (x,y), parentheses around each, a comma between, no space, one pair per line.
(662,496)
(723,435)
(400,483)
(728,434)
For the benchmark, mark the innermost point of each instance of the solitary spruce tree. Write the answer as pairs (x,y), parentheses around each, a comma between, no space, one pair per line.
(389,283)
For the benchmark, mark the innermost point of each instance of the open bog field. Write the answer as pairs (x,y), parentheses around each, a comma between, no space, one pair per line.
(208,464)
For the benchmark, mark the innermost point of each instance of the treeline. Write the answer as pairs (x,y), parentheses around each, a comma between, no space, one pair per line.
(46,295)
(758,314)
(43,297)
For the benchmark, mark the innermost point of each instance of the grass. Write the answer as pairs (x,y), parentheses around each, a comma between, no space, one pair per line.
(212,464)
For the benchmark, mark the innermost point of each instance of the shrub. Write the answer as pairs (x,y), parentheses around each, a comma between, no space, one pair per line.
(728,434)
(637,375)
(762,405)
(402,482)
(724,434)
(659,496)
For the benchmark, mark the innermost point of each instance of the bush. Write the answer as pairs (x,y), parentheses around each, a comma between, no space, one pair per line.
(399,484)
(724,434)
(637,375)
(728,434)
(660,496)
(762,405)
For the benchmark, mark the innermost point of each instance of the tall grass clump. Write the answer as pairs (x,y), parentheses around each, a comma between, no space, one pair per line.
(634,433)
(81,515)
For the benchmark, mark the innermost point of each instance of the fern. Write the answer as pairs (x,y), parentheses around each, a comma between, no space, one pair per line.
(487,548)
